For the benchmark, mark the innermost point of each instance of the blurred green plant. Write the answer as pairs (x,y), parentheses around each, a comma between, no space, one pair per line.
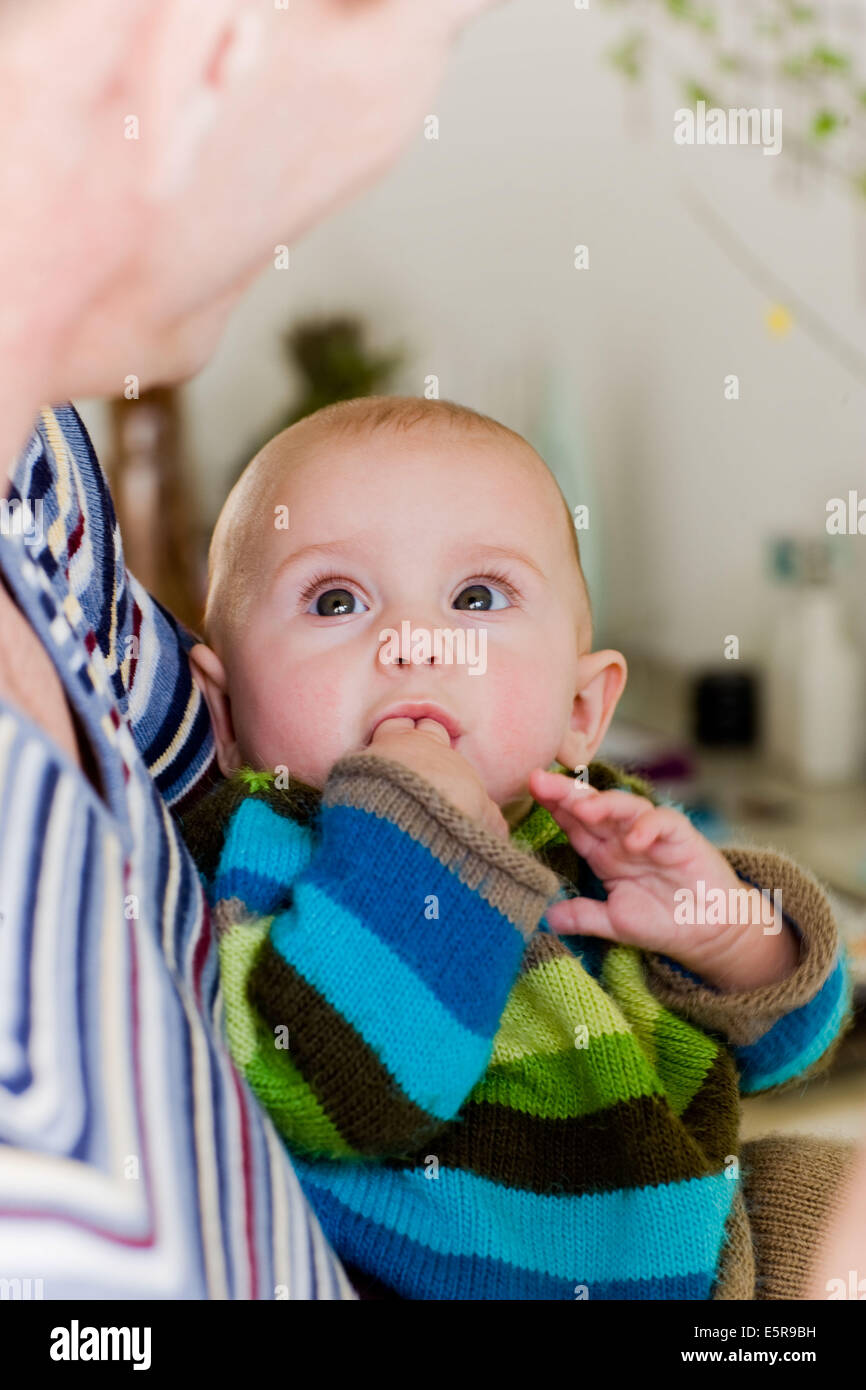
(628,56)
(802,60)
(334,364)
(824,123)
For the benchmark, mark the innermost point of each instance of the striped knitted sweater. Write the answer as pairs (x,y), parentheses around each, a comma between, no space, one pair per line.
(477,1109)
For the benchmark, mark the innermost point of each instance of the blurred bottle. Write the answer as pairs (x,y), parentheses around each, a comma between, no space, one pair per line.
(814,688)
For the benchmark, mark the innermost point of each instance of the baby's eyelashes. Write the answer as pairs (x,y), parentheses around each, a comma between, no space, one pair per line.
(481,597)
(335,603)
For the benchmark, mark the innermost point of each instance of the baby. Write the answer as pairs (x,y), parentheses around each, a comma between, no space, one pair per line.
(455,968)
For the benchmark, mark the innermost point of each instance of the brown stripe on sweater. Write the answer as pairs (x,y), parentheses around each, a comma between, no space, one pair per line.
(563,860)
(541,949)
(712,1116)
(634,1143)
(359,1094)
(573,871)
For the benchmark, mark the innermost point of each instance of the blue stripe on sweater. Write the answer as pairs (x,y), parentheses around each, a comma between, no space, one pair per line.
(434,1059)
(651,1233)
(467,957)
(262,856)
(415,1271)
(800,1038)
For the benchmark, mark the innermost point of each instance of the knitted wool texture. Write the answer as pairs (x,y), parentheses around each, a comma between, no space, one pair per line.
(475,1107)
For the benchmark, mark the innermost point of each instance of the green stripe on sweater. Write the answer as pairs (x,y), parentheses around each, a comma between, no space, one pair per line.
(566,1085)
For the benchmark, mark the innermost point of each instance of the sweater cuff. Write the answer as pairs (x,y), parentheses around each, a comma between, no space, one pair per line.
(746,1015)
(509,879)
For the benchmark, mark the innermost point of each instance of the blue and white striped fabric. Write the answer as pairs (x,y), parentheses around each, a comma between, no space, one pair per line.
(134,1163)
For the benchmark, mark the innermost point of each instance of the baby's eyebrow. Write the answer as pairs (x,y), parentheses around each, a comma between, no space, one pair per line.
(505,552)
(355,544)
(323,548)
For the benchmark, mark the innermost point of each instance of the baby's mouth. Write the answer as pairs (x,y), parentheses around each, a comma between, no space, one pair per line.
(417,710)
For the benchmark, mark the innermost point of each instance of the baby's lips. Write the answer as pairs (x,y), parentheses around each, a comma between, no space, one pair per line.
(402,723)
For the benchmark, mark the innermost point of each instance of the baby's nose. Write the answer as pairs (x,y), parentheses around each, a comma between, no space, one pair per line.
(410,644)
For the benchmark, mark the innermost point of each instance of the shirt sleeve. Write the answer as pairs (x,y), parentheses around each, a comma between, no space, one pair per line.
(374,996)
(786,1032)
(143,647)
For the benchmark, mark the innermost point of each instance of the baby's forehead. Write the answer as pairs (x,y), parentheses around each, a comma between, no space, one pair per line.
(493,476)
(320,455)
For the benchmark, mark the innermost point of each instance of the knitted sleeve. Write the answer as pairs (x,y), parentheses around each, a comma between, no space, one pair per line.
(781,1033)
(366,965)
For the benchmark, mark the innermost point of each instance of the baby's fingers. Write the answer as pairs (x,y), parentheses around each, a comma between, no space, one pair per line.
(580,917)
(591,806)
(663,824)
(591,818)
(611,807)
(555,789)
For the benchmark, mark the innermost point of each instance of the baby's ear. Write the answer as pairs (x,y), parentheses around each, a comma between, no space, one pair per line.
(209,675)
(602,676)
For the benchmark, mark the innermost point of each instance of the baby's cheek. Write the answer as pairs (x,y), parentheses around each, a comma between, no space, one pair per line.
(527,718)
(509,720)
(298,723)
(516,713)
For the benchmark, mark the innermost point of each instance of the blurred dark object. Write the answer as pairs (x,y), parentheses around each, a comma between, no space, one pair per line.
(672,766)
(725,709)
(331,356)
(648,753)
(153,497)
(335,365)
(777,810)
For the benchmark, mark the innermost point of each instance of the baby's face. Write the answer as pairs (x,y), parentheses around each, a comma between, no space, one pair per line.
(439,529)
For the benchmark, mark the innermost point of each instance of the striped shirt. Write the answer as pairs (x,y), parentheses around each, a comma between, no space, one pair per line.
(134,1161)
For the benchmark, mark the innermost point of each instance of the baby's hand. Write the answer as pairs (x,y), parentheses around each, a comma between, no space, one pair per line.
(425,747)
(643,854)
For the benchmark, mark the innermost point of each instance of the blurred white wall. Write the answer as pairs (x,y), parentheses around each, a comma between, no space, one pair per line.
(464,253)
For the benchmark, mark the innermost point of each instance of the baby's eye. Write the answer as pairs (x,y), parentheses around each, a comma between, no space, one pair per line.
(481,598)
(334,603)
